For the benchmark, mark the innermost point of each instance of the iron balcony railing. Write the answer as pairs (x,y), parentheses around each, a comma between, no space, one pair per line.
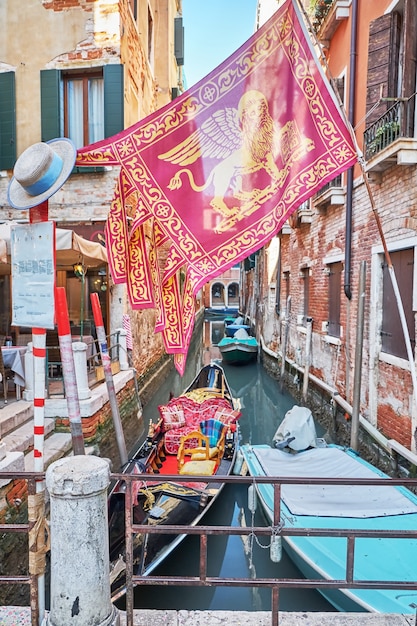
(203,580)
(396,123)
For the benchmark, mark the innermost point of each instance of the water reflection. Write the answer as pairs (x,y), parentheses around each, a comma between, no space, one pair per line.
(263,406)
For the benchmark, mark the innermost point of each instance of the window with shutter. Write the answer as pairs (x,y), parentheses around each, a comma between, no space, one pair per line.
(335,284)
(392,336)
(7,121)
(383,63)
(85,106)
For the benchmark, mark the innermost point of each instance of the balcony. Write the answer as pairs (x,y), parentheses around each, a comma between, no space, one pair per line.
(327,15)
(390,140)
(332,194)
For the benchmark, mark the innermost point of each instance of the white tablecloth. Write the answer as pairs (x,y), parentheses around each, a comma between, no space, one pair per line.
(13,357)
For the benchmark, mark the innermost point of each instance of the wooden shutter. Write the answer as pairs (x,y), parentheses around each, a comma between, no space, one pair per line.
(51,109)
(383,63)
(392,336)
(179,40)
(113,100)
(410,49)
(335,282)
(7,121)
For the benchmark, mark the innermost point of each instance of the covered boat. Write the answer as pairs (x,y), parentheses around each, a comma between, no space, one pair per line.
(297,452)
(239,349)
(195,434)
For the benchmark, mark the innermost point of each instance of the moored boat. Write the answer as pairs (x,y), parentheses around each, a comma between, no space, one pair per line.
(239,349)
(196,434)
(298,453)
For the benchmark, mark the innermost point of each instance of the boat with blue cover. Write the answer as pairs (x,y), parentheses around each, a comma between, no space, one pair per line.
(239,349)
(297,452)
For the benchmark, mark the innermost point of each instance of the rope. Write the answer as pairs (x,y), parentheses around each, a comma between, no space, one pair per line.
(39,536)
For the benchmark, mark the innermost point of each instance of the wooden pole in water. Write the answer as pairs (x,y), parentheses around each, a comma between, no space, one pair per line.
(106,362)
(358,359)
(307,357)
(284,343)
(68,370)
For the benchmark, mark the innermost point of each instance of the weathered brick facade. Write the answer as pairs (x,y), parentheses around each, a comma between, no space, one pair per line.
(315,238)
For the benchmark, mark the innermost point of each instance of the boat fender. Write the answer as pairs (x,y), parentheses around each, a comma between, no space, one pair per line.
(238,463)
(275,551)
(252,498)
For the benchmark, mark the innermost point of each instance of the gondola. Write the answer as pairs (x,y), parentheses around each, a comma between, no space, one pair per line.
(196,434)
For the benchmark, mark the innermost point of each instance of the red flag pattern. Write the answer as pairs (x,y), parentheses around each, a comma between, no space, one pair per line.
(221,168)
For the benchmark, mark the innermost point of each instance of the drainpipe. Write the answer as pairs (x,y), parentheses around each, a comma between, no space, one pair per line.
(349,179)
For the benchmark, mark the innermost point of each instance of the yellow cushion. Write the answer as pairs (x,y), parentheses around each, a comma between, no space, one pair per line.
(200,454)
(198,468)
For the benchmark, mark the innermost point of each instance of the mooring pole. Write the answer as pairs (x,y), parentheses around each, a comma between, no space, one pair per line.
(307,357)
(68,370)
(105,359)
(358,359)
(284,343)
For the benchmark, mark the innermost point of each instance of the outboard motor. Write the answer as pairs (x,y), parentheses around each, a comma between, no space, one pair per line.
(297,430)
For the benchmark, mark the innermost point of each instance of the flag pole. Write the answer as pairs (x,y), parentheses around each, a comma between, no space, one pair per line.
(105,359)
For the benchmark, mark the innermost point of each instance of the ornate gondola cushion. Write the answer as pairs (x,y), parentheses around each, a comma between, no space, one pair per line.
(227,415)
(198,468)
(173,418)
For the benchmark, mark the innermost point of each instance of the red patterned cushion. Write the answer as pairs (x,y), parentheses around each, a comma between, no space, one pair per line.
(173,438)
(227,416)
(173,419)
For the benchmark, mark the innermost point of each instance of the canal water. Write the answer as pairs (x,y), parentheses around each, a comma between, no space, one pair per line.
(263,405)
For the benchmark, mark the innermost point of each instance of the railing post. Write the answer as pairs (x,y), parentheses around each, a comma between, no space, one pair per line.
(79,349)
(28,391)
(123,360)
(80,578)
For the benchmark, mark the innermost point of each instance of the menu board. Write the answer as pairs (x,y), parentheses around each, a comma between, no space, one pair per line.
(33,274)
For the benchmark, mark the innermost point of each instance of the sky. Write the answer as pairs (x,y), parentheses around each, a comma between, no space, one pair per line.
(213,30)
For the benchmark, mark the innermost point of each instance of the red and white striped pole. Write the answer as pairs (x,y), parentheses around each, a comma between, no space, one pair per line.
(106,362)
(68,370)
(39,356)
(39,213)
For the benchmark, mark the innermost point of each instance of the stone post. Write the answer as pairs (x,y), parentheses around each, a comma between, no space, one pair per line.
(80,579)
(123,360)
(79,349)
(28,391)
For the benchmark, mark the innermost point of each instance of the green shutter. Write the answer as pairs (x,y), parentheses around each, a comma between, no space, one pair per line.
(7,121)
(179,40)
(113,100)
(50,104)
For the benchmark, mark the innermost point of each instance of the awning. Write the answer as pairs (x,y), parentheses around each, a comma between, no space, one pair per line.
(70,248)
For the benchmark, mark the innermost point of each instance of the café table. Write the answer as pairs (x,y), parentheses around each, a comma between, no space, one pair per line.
(13,357)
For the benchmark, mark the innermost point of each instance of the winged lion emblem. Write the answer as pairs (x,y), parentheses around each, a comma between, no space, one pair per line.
(244,140)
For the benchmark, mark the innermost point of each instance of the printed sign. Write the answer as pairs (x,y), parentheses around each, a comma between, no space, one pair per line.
(33,274)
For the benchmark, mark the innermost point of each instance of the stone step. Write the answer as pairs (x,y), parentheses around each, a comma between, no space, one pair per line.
(56,446)
(13,415)
(21,439)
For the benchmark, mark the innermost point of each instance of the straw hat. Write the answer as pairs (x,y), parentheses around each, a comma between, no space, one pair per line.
(40,171)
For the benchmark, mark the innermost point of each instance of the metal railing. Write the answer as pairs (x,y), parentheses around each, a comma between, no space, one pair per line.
(275,584)
(31,479)
(397,122)
(203,580)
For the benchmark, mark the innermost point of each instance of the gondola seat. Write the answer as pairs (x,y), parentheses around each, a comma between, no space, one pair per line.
(189,453)
(198,468)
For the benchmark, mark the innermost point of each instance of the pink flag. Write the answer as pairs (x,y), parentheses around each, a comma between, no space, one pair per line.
(222,167)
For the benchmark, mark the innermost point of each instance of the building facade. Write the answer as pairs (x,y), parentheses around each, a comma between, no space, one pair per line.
(84,69)
(365,218)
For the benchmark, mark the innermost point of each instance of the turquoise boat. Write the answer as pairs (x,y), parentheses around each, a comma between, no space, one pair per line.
(385,507)
(239,349)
